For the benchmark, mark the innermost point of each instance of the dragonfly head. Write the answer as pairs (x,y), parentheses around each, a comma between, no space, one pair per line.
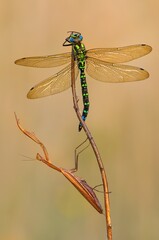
(74,38)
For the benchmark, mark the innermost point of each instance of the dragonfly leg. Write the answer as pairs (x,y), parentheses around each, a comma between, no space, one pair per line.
(77,153)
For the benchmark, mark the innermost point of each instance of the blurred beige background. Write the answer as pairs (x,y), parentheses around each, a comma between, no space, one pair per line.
(36,203)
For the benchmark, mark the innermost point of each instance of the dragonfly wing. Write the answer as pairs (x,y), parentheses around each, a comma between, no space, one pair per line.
(54,84)
(114,73)
(120,54)
(45,61)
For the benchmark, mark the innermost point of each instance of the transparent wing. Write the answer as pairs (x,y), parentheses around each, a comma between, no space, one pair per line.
(54,84)
(120,54)
(114,73)
(45,61)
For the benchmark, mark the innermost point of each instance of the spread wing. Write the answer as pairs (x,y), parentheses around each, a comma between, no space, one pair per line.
(45,61)
(114,73)
(120,54)
(55,84)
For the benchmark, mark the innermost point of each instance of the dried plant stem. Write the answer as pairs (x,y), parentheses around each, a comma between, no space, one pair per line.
(96,152)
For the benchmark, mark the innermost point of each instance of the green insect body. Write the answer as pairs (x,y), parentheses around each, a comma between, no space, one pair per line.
(102,64)
(80,55)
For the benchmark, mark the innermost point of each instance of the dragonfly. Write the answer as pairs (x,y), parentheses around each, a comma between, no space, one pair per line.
(102,64)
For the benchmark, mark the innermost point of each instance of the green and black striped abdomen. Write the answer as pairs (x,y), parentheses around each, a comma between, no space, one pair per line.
(80,56)
(81,65)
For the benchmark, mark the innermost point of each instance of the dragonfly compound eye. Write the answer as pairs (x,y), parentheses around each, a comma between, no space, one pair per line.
(80,38)
(71,39)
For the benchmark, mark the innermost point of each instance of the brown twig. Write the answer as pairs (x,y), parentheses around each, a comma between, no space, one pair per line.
(96,152)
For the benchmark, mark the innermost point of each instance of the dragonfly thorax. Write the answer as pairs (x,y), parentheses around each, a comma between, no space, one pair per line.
(79,51)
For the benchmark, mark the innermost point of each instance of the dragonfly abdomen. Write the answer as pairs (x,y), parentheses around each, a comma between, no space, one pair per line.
(84,88)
